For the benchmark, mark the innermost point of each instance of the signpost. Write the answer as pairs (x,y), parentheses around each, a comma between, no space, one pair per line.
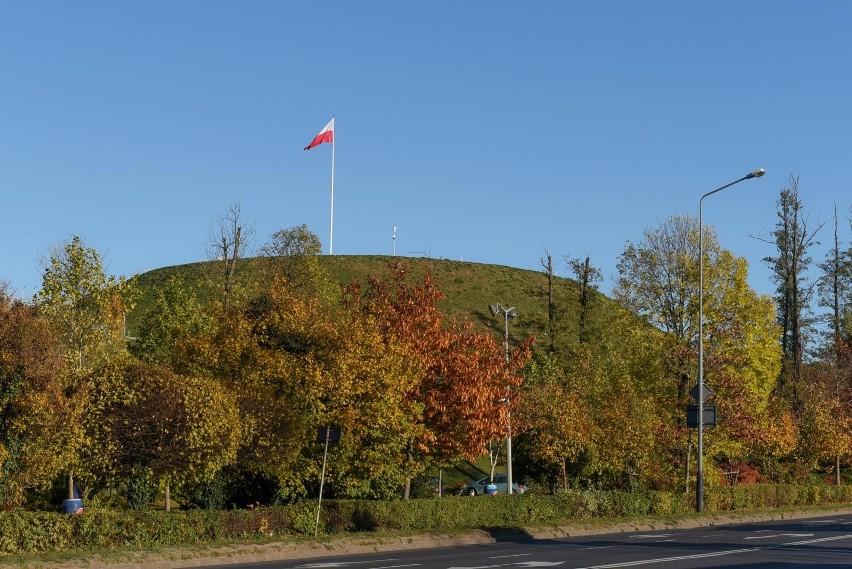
(692,414)
(327,434)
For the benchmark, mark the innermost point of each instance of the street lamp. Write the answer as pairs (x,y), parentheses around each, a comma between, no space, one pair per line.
(508,313)
(699,484)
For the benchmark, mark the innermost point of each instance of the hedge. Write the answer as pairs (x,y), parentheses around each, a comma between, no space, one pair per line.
(95,529)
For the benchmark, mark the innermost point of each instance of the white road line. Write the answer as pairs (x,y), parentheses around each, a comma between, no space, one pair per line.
(779,535)
(822,521)
(508,556)
(649,535)
(715,553)
(331,564)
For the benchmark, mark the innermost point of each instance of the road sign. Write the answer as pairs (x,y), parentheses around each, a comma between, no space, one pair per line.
(331,433)
(706,392)
(692,416)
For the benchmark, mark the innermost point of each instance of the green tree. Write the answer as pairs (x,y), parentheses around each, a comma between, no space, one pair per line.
(557,423)
(587,275)
(176,315)
(658,280)
(86,306)
(179,429)
(293,254)
(742,355)
(87,309)
(793,240)
(296,241)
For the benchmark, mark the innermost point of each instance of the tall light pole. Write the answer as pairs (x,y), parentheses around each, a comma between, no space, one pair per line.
(508,313)
(699,483)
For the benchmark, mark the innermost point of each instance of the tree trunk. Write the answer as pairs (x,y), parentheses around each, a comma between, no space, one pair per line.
(837,469)
(564,475)
(551,305)
(688,454)
(406,490)
(168,498)
(71,485)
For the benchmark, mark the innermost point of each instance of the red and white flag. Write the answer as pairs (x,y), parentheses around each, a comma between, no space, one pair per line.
(325,135)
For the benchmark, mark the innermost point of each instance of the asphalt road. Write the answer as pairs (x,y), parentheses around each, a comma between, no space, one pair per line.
(821,542)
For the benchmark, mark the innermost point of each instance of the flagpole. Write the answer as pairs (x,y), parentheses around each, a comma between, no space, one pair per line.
(331,224)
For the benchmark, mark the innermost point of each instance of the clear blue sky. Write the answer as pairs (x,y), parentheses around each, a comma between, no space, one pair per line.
(485,131)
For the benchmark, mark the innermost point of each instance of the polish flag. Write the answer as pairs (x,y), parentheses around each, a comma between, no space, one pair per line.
(325,135)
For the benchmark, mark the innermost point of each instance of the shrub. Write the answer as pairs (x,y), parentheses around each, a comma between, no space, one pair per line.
(34,532)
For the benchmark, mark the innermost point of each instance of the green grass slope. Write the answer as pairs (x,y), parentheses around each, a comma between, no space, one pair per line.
(468,287)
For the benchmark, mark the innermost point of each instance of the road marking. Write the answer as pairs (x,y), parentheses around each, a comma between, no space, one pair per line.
(780,535)
(822,521)
(649,535)
(508,556)
(598,547)
(715,553)
(332,564)
(664,540)
(516,564)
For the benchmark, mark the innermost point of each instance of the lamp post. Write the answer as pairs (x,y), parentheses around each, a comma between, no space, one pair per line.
(699,483)
(508,313)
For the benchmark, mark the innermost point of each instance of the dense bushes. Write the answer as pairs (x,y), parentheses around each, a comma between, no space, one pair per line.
(32,532)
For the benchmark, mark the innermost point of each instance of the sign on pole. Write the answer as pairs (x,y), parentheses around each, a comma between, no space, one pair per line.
(692,416)
(327,434)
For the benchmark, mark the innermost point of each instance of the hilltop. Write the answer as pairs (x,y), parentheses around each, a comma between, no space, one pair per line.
(469,287)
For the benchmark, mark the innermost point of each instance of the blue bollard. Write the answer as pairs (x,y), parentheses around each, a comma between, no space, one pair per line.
(74,506)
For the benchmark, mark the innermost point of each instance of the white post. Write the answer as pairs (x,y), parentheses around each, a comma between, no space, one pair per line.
(331,225)
(322,478)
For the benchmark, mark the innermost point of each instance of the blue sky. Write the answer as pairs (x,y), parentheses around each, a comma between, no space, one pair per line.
(484,131)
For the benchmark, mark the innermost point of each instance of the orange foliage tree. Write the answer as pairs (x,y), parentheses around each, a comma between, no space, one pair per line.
(466,389)
(40,424)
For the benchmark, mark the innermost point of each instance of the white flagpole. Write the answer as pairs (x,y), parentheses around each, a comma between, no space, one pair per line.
(331,224)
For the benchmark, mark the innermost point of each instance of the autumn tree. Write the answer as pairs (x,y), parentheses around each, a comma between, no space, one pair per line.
(178,429)
(40,421)
(297,363)
(742,355)
(467,389)
(659,279)
(557,422)
(87,311)
(825,419)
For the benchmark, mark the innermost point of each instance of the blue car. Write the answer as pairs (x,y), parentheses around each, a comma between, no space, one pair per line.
(501,481)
